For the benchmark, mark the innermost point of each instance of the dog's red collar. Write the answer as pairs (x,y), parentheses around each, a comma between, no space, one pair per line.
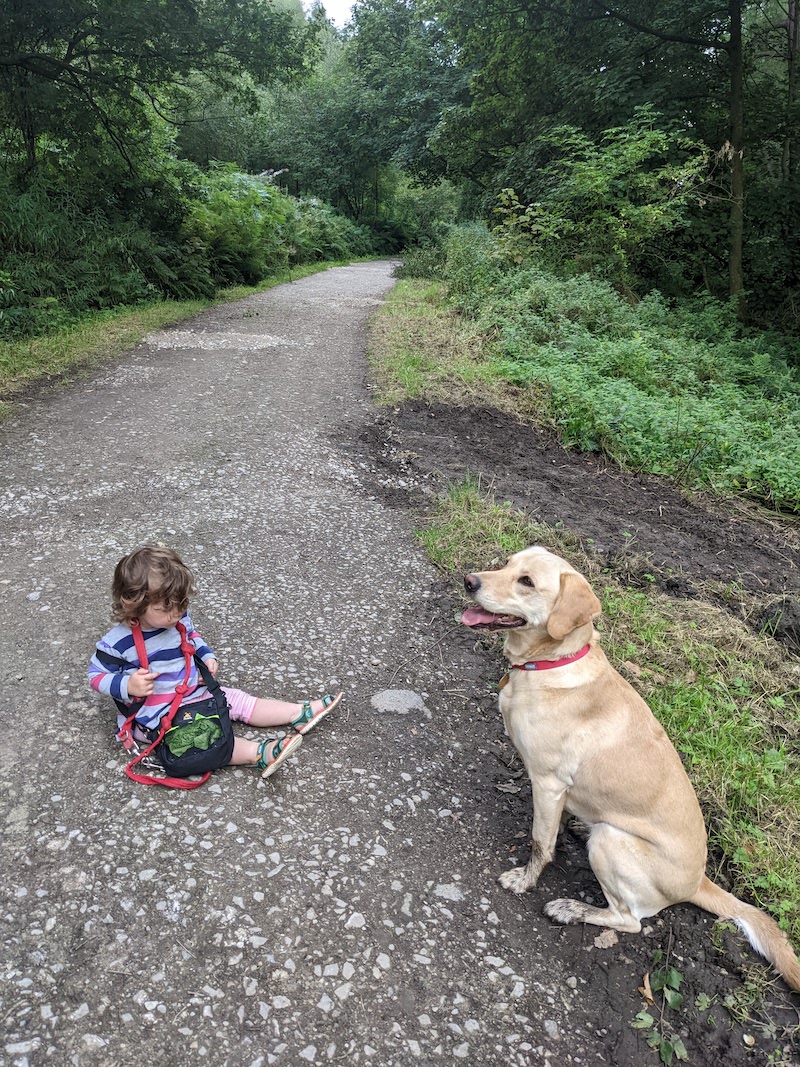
(548,664)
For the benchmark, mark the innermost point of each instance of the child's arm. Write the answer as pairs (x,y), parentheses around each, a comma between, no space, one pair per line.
(120,682)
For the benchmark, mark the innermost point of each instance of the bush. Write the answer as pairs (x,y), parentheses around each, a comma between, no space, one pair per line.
(424,261)
(318,233)
(178,234)
(678,391)
(607,207)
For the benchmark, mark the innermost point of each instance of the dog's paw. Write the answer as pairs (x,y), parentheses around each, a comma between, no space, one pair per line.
(565,911)
(578,829)
(517,880)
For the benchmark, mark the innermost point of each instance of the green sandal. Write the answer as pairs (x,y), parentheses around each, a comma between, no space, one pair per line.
(308,718)
(270,759)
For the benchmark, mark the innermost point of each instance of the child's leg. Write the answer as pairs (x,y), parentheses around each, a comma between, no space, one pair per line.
(254,711)
(264,711)
(268,755)
(244,751)
(268,712)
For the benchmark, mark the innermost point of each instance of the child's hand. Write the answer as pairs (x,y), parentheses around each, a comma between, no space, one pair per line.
(212,665)
(140,683)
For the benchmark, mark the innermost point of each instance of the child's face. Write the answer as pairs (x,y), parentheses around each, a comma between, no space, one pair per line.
(158,617)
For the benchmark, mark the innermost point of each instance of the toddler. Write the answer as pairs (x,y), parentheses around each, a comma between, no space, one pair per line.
(151,589)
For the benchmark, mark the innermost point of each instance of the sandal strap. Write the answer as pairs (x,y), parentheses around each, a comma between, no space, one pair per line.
(307,713)
(264,761)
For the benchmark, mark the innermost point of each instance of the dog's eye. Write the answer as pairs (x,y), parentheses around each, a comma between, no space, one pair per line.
(525,580)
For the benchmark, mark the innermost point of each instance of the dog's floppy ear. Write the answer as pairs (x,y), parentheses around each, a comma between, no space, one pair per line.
(576,606)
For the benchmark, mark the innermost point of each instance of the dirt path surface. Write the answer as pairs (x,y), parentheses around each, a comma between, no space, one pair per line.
(347,911)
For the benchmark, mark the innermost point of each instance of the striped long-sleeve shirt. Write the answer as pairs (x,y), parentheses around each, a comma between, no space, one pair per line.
(165,658)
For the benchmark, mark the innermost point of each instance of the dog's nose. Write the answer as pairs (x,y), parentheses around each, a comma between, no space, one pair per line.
(472,583)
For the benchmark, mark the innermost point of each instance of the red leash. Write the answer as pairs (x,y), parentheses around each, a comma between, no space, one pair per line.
(181,689)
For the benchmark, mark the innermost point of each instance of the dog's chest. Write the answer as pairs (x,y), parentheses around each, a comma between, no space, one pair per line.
(539,735)
(520,704)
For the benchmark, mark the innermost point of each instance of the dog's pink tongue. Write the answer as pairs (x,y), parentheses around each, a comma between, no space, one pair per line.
(478,617)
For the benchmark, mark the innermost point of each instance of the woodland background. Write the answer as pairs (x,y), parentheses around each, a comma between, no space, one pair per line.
(611,191)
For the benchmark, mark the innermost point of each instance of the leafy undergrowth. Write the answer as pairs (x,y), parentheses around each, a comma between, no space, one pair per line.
(727,698)
(677,391)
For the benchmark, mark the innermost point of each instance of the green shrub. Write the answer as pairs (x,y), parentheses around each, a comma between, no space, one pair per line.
(318,233)
(423,261)
(180,234)
(676,391)
(605,207)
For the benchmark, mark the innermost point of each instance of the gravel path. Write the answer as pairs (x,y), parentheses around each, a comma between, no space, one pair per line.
(344,912)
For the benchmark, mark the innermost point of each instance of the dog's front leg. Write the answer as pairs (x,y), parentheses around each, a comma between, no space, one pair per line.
(548,805)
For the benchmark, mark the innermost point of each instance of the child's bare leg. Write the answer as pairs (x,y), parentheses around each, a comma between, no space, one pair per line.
(300,717)
(267,754)
(268,712)
(244,752)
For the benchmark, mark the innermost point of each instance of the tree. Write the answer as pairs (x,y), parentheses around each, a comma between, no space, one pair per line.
(72,68)
(399,52)
(726,70)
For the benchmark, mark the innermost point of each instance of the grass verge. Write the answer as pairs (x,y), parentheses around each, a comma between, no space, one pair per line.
(728,699)
(105,334)
(421,349)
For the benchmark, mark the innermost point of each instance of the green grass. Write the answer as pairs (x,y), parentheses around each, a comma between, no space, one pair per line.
(728,699)
(420,348)
(105,334)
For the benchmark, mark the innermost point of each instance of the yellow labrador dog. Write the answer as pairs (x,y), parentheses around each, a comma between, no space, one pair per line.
(593,749)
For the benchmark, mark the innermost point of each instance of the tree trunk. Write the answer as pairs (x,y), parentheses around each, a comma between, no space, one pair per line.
(789,154)
(736,59)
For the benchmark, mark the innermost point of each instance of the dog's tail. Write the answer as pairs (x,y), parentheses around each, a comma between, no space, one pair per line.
(762,932)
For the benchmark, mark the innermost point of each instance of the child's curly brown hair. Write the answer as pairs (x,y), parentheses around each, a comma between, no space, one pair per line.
(152,574)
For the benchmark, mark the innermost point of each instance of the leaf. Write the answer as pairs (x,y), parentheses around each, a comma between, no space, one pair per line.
(645,989)
(702,1001)
(680,1049)
(508,787)
(643,1021)
(666,1051)
(674,978)
(673,998)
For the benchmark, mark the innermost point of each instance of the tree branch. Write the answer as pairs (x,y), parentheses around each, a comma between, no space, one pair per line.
(651,31)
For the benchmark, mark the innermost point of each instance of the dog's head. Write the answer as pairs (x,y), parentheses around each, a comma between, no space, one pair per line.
(537,593)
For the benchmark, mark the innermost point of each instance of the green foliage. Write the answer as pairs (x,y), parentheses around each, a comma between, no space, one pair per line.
(96,212)
(661,1035)
(547,81)
(237,222)
(320,233)
(182,237)
(603,207)
(682,392)
(75,71)
(63,254)
(424,261)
